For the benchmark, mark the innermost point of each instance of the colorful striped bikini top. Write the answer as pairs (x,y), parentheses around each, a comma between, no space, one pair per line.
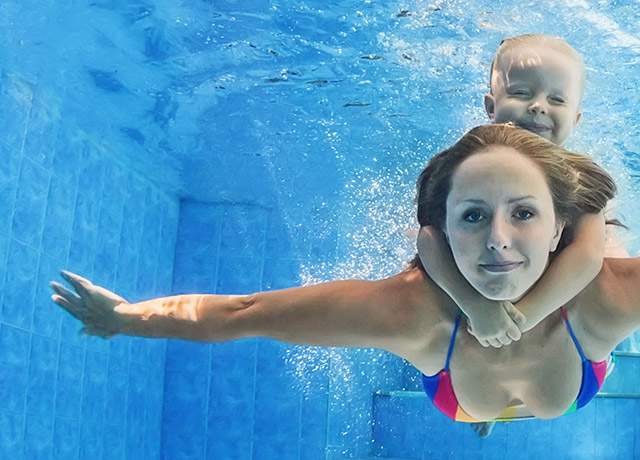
(439,389)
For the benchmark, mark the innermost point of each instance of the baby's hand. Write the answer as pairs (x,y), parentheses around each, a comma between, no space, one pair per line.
(496,323)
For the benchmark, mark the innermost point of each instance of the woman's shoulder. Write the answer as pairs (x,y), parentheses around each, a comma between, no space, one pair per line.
(423,305)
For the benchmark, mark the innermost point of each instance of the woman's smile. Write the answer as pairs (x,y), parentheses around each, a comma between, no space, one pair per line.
(503,268)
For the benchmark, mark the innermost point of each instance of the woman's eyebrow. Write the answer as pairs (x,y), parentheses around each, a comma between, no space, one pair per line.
(512,200)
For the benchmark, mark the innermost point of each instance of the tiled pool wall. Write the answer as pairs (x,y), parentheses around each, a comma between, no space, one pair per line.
(65,204)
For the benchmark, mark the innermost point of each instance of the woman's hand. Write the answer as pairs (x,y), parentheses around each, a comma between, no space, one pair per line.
(97,307)
(496,323)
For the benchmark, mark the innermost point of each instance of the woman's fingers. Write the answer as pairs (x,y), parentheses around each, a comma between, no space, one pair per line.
(80,284)
(71,297)
(76,312)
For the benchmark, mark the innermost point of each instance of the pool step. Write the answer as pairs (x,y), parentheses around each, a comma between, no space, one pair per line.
(406,425)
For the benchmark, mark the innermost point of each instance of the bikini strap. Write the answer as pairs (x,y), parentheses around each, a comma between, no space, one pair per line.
(573,336)
(452,342)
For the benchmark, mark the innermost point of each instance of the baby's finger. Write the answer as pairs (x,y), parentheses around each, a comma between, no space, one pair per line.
(504,340)
(516,315)
(514,333)
(495,343)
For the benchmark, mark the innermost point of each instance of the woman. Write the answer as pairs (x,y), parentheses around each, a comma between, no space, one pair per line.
(500,195)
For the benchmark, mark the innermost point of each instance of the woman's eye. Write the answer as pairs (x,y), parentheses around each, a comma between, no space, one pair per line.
(475,216)
(527,212)
(471,213)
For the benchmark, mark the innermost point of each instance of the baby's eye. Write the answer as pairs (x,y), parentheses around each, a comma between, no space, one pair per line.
(520,92)
(559,100)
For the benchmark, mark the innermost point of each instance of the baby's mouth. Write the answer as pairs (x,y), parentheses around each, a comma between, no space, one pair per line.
(537,128)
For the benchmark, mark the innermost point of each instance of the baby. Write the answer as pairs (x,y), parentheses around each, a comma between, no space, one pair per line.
(537,83)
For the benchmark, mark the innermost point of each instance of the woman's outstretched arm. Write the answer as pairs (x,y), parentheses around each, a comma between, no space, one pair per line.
(341,313)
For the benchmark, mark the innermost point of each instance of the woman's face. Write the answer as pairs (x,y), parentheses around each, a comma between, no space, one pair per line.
(500,211)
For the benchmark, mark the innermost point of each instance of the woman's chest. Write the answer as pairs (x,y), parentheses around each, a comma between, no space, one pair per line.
(543,370)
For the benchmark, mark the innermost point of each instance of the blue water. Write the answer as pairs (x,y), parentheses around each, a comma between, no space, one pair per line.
(168,147)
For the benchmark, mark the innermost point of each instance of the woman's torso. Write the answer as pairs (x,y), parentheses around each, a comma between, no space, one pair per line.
(543,369)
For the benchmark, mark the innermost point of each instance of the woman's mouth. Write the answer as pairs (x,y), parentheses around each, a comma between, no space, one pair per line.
(502,268)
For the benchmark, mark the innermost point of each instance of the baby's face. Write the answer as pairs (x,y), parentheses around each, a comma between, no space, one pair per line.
(538,89)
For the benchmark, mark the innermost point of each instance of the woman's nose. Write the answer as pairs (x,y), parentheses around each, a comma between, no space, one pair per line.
(499,238)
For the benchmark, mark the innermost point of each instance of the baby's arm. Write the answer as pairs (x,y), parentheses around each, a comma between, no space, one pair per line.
(492,322)
(572,270)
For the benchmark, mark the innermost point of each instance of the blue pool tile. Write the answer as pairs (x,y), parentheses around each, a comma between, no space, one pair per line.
(16,97)
(119,350)
(94,385)
(13,386)
(11,434)
(243,232)
(28,217)
(8,190)
(42,376)
(58,218)
(38,437)
(187,356)
(114,441)
(605,419)
(312,451)
(14,345)
(200,223)
(17,304)
(42,131)
(66,438)
(115,399)
(69,383)
(228,437)
(47,315)
(91,437)
(186,397)
(281,274)
(625,411)
(10,166)
(239,275)
(314,402)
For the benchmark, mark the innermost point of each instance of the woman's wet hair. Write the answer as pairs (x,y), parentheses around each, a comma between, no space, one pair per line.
(577,184)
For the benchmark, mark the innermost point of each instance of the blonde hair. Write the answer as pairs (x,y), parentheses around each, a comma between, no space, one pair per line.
(550,41)
(577,184)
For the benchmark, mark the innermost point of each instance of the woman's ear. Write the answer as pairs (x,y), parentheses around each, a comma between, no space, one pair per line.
(560,224)
(490,106)
(578,117)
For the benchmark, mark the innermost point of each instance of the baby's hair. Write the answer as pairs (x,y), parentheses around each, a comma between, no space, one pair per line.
(550,41)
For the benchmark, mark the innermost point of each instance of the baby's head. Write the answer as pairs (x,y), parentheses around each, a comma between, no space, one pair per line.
(537,82)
